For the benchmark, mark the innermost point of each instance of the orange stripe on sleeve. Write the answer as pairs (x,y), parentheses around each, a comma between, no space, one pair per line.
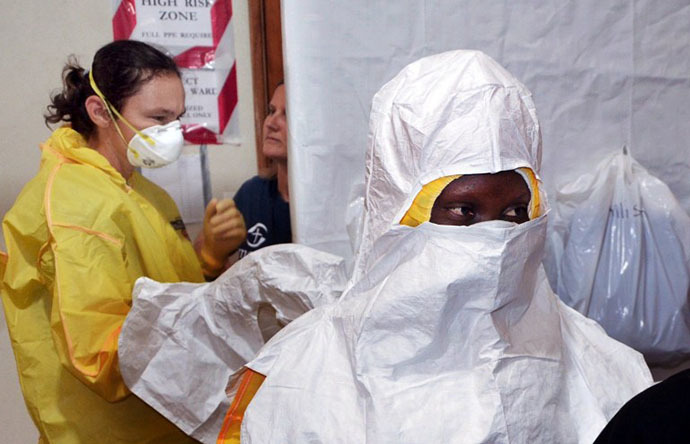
(104,236)
(3,264)
(248,386)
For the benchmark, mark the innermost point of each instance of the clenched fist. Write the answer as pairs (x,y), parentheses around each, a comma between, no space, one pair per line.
(223,233)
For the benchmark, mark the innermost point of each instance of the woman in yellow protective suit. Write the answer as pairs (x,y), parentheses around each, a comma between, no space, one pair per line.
(448,331)
(84,229)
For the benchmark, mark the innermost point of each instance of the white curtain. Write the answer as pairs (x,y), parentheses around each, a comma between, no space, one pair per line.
(604,73)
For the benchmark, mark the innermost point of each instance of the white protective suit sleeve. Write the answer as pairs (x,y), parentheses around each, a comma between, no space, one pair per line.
(181,343)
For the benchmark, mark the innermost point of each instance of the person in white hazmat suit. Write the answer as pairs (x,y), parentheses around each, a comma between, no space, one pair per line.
(448,330)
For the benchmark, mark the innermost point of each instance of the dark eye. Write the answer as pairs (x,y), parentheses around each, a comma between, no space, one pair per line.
(271,110)
(517,212)
(160,119)
(464,211)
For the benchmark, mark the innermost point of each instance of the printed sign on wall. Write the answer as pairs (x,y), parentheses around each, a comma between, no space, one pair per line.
(176,24)
(198,35)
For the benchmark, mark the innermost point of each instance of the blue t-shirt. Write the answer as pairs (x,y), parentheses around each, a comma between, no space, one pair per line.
(266,214)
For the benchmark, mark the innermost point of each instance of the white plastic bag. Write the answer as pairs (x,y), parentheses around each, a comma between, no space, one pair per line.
(619,253)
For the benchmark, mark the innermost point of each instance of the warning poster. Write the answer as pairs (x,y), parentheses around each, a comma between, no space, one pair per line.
(198,35)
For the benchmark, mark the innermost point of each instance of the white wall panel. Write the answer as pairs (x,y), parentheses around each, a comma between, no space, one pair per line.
(603,74)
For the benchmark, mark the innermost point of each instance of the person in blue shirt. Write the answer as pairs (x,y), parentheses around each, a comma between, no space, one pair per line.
(263,199)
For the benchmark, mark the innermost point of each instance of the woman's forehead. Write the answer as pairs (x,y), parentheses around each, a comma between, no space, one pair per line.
(162,92)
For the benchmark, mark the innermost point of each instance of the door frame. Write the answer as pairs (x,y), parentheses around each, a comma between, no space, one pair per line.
(266,41)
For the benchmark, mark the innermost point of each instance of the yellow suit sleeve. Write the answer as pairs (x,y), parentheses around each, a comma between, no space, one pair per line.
(91,298)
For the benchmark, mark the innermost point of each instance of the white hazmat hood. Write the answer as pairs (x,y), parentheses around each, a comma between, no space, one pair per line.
(443,334)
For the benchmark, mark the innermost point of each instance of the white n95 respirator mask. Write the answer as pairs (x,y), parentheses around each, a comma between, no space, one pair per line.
(156,146)
(152,147)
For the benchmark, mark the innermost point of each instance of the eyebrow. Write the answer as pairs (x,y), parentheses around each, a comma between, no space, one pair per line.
(167,112)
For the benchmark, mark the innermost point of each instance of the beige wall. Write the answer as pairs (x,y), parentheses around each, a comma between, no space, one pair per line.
(36,38)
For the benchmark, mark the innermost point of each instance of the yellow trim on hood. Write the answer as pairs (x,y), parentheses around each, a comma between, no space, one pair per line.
(420,209)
